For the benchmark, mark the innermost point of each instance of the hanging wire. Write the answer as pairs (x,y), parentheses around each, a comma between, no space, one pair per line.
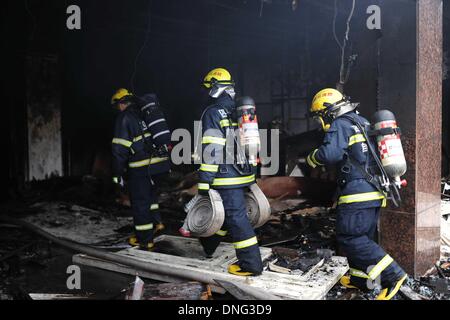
(334,24)
(344,44)
(343,76)
(147,37)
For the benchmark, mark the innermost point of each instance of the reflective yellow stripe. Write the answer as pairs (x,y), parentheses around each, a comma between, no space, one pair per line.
(358,273)
(246,243)
(144,227)
(313,158)
(222,233)
(225,123)
(233,181)
(122,142)
(310,162)
(154,206)
(146,162)
(361,197)
(216,140)
(379,268)
(203,186)
(147,135)
(356,138)
(209,167)
(139,164)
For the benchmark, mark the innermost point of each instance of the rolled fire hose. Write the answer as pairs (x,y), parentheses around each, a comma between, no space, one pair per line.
(258,207)
(205,216)
(137,264)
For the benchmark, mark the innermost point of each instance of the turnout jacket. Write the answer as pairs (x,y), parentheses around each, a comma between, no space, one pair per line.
(214,172)
(139,139)
(345,146)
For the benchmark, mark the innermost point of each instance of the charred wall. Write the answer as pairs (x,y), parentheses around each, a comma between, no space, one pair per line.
(280,56)
(43,117)
(14,129)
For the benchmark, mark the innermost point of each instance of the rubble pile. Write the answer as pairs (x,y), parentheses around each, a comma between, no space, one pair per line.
(303,227)
(301,230)
(20,252)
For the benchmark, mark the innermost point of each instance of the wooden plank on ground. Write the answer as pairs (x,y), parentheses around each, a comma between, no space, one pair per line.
(57,296)
(314,286)
(170,291)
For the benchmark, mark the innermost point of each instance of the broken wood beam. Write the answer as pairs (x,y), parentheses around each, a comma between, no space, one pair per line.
(137,291)
(243,292)
(276,243)
(124,260)
(409,294)
(57,296)
(175,291)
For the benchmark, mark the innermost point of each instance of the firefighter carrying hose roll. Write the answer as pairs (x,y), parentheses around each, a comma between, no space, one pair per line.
(229,179)
(140,149)
(359,199)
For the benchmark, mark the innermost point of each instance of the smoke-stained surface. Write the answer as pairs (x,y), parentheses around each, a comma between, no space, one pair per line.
(59,120)
(278,53)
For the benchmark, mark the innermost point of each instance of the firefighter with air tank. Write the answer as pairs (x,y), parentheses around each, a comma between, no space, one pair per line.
(365,182)
(220,120)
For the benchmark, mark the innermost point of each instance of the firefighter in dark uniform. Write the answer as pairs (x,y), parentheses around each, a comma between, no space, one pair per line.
(140,149)
(359,200)
(230,181)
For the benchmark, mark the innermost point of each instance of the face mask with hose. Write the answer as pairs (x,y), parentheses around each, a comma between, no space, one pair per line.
(327,116)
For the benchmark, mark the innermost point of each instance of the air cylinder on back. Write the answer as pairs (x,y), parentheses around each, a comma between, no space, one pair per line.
(389,144)
(249,138)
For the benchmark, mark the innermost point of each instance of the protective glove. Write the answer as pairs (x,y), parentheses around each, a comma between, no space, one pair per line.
(119,181)
(311,160)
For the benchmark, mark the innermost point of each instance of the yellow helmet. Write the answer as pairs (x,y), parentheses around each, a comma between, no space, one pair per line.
(218,76)
(120,95)
(326,98)
(329,104)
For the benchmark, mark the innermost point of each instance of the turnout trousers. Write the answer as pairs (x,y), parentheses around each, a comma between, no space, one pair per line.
(144,206)
(241,231)
(356,229)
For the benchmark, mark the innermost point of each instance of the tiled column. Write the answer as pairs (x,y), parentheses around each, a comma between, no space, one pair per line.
(411,86)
